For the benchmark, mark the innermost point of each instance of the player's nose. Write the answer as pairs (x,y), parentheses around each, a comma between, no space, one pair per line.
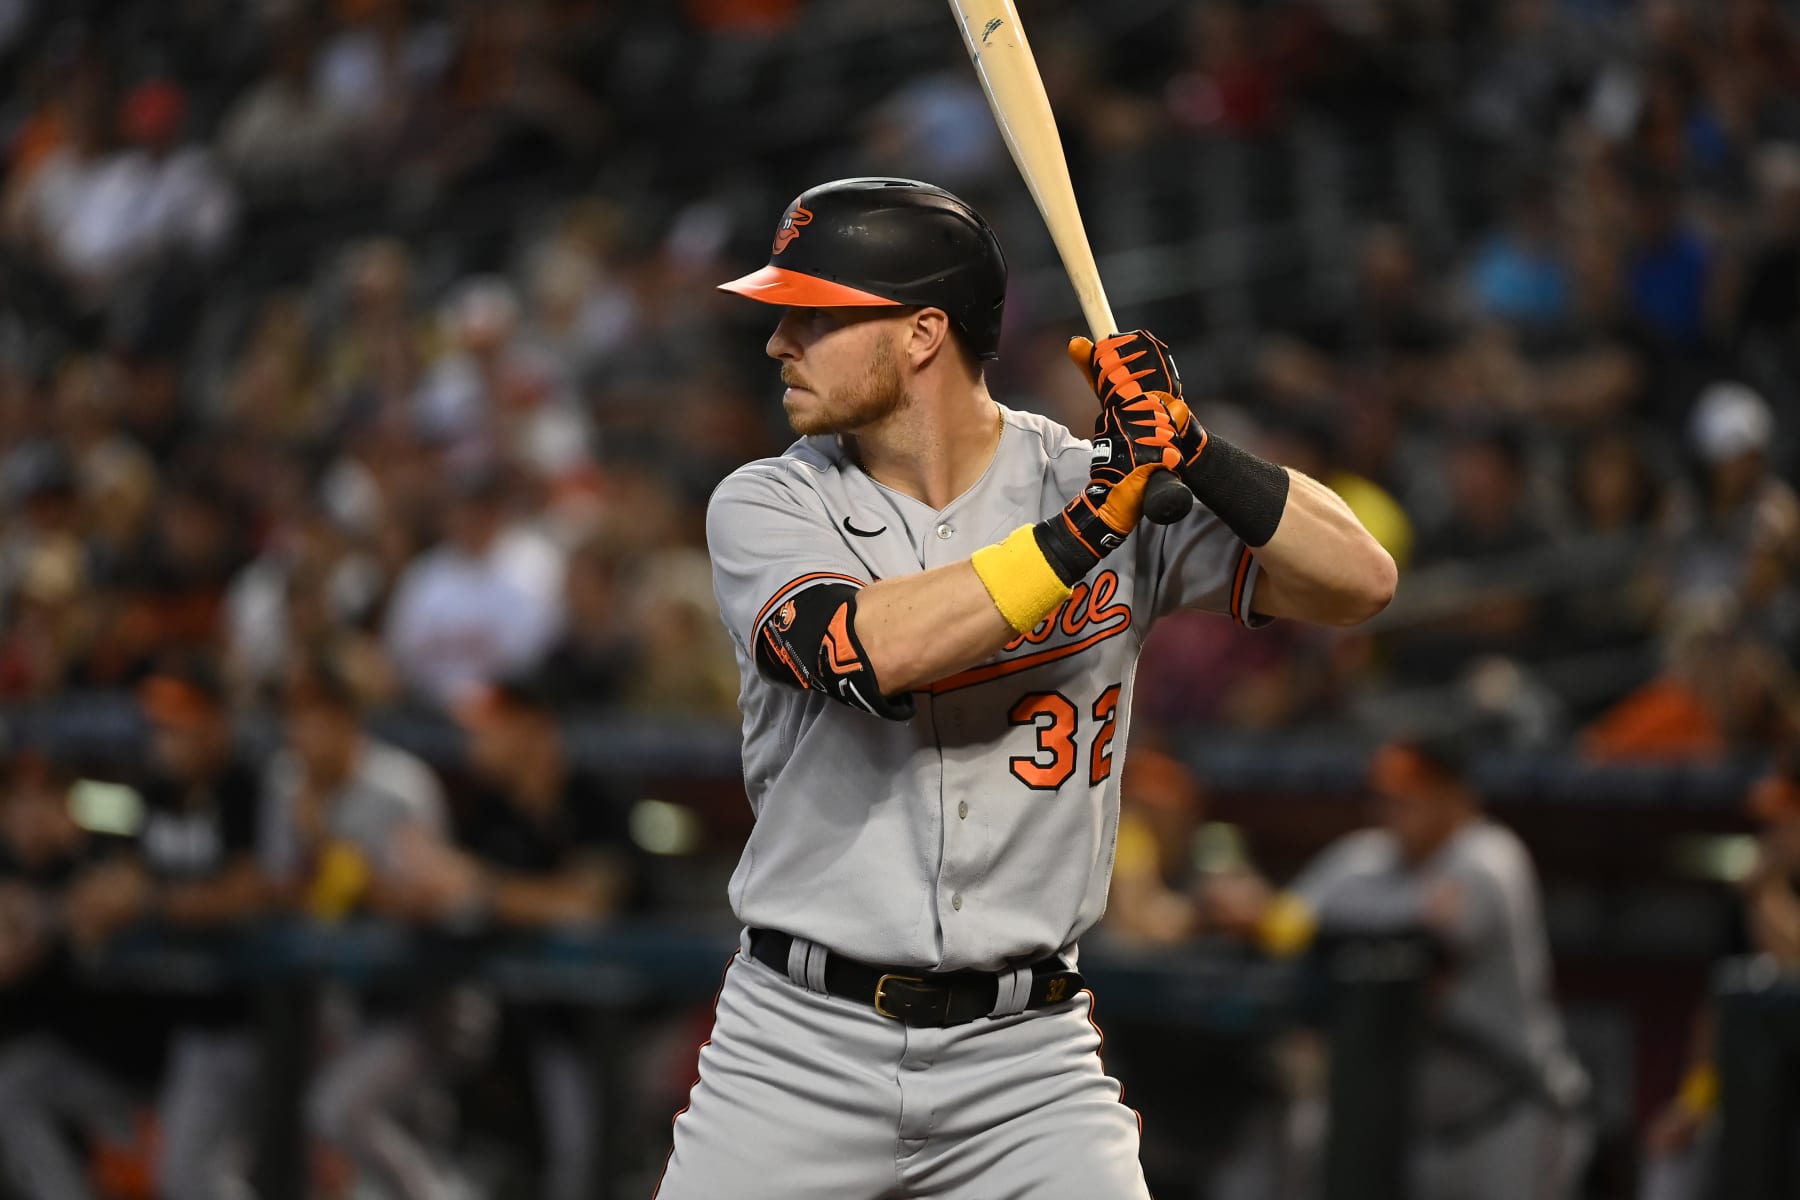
(782,344)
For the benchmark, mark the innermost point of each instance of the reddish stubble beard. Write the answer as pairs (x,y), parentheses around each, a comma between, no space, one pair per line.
(878,395)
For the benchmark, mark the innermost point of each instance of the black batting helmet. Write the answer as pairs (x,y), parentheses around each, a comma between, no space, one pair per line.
(868,242)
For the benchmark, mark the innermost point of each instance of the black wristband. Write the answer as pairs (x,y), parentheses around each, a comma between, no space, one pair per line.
(1248,493)
(1066,553)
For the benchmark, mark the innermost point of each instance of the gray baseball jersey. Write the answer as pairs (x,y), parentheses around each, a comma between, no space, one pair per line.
(979,832)
(1497,1019)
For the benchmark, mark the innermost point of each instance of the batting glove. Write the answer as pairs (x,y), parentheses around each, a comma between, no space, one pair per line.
(1132,438)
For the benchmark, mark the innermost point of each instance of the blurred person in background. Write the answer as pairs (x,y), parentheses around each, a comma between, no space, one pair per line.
(1670,269)
(343,816)
(308,563)
(59,1072)
(102,217)
(485,602)
(281,136)
(272,393)
(372,67)
(597,655)
(685,657)
(1680,1145)
(1486,474)
(1615,506)
(197,853)
(1382,336)
(1161,805)
(43,508)
(50,624)
(1521,274)
(1744,511)
(1216,1133)
(171,590)
(181,856)
(374,349)
(180,853)
(1766,304)
(1499,1099)
(581,309)
(542,845)
(1720,689)
(496,392)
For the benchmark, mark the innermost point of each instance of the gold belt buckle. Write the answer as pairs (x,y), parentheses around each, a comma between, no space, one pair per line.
(881,992)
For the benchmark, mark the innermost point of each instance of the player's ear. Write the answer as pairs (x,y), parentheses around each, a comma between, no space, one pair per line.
(927,336)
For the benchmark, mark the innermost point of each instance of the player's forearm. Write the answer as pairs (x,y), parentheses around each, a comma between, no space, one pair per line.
(919,628)
(1322,565)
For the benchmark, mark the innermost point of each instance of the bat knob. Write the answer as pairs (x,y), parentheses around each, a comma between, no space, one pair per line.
(1166,498)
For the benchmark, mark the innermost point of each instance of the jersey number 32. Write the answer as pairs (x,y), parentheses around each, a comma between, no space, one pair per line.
(1058,722)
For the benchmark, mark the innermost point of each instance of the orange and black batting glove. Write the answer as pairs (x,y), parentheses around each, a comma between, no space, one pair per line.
(1124,366)
(1132,438)
(1128,365)
(1246,492)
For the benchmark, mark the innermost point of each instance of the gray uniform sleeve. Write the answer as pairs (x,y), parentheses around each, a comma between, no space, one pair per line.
(769,541)
(1353,884)
(1198,563)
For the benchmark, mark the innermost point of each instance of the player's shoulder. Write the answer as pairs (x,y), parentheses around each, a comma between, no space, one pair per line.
(803,466)
(1494,849)
(1041,434)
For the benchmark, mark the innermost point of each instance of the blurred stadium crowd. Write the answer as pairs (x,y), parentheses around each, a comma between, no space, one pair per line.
(363,355)
(388,326)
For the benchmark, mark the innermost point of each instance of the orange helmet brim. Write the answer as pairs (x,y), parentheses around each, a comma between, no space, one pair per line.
(777,285)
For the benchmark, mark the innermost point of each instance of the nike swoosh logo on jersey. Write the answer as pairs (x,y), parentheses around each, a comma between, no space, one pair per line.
(849,528)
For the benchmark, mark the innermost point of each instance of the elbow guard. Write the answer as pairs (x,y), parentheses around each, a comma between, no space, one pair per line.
(810,644)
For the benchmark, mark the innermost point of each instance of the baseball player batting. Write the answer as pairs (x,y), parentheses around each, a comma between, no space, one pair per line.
(938,604)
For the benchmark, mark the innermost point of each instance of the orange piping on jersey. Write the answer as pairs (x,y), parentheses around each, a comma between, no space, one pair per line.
(1098,1053)
(1012,666)
(1237,588)
(670,1157)
(785,588)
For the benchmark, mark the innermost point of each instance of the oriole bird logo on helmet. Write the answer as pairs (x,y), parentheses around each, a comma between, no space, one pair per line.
(796,219)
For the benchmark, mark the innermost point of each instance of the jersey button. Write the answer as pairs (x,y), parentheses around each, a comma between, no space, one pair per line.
(956,901)
(945,532)
(962,810)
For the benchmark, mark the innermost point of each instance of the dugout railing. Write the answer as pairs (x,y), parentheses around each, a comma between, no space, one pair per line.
(1365,994)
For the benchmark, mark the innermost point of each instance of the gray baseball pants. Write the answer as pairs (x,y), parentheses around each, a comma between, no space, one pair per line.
(805,1096)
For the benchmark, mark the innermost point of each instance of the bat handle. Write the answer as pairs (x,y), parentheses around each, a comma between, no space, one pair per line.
(1166,498)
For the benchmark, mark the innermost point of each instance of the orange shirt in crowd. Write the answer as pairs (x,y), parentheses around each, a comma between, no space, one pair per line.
(1660,722)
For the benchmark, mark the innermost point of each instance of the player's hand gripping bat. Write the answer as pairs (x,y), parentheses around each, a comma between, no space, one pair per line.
(1009,75)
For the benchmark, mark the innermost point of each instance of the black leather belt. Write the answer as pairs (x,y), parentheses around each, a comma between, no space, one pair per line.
(920,999)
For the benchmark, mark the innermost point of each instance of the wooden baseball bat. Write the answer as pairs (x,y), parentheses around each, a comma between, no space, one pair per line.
(1009,75)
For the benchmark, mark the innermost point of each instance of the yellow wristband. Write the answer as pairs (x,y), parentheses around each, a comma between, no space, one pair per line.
(1287,926)
(1020,579)
(1700,1090)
